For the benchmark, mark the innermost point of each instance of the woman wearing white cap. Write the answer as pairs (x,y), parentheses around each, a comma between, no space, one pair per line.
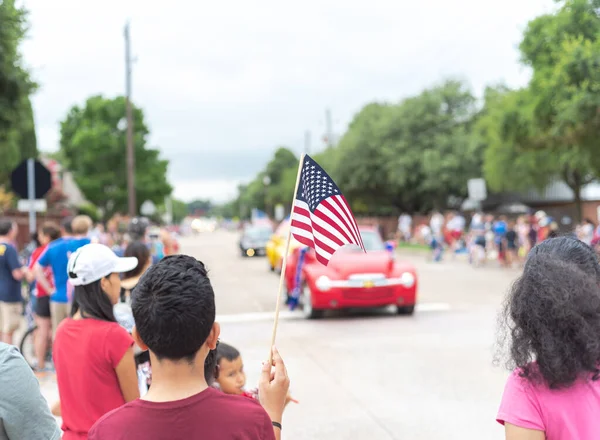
(93,354)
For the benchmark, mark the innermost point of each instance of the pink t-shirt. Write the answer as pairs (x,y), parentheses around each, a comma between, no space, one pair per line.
(567,414)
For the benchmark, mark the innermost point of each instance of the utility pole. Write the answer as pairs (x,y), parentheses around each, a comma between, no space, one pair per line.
(307,142)
(329,128)
(130,149)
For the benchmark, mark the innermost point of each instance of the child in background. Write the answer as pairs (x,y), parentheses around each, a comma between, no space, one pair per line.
(230,376)
(477,241)
(511,237)
(500,227)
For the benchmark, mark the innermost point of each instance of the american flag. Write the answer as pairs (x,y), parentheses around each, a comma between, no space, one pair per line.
(321,216)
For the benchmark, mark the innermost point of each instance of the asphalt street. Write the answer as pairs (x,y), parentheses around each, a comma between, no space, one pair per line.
(371,375)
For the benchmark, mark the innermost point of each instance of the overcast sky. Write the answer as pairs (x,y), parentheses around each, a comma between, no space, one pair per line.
(224,83)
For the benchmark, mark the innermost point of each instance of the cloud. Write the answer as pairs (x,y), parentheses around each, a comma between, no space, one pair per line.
(217,190)
(224,83)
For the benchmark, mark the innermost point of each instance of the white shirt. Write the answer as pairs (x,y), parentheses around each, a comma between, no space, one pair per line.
(404,222)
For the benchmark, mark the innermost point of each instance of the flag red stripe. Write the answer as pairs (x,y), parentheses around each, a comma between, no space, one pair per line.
(300,225)
(309,227)
(324,231)
(317,244)
(321,259)
(333,222)
(301,211)
(324,246)
(343,204)
(305,241)
(339,218)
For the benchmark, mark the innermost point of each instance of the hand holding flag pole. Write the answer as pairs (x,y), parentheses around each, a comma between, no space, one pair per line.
(321,218)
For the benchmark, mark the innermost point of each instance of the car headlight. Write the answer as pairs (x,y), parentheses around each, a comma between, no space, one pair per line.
(323,283)
(407,279)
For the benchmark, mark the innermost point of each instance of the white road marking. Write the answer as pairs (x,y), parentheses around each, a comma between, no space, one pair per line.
(258,316)
(289,315)
(433,307)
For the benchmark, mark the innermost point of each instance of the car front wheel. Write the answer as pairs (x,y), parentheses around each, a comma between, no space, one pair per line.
(406,310)
(307,308)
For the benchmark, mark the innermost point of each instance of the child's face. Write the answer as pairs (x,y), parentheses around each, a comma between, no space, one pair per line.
(232,378)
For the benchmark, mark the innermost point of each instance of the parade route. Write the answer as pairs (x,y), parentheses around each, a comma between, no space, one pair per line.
(369,375)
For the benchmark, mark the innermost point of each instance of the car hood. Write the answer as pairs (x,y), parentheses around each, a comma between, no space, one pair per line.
(348,263)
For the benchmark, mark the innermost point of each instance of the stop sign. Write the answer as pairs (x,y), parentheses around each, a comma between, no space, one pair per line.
(43,180)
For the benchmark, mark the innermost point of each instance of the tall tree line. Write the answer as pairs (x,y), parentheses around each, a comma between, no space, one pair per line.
(417,154)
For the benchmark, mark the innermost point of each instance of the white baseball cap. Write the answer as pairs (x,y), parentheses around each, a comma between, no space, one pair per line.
(95,261)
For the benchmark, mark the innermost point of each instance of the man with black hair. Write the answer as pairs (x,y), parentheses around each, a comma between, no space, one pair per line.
(174,310)
(11,274)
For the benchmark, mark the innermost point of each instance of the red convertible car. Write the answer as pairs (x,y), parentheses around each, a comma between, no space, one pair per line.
(354,279)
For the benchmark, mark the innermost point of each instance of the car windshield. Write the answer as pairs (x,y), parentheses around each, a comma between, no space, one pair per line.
(372,241)
(258,233)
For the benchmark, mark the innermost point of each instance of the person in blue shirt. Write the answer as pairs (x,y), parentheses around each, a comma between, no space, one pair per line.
(155,246)
(500,229)
(57,256)
(11,274)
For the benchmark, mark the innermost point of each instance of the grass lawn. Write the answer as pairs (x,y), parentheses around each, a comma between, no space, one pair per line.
(413,247)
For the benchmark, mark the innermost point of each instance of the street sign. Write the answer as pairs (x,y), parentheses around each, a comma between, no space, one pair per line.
(148,208)
(39,205)
(32,181)
(477,190)
(42,179)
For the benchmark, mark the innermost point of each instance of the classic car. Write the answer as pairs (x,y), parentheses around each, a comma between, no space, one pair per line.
(276,245)
(253,240)
(354,279)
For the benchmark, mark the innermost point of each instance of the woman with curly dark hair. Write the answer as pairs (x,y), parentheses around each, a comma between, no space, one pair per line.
(552,326)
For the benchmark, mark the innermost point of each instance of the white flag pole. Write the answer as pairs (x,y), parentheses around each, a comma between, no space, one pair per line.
(284,263)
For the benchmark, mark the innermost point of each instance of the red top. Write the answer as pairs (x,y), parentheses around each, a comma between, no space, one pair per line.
(35,256)
(210,414)
(86,353)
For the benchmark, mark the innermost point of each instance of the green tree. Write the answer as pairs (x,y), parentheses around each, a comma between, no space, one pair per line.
(283,159)
(180,210)
(203,206)
(432,155)
(410,156)
(563,50)
(26,130)
(361,170)
(281,173)
(549,130)
(93,146)
(510,165)
(227,210)
(272,186)
(16,119)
